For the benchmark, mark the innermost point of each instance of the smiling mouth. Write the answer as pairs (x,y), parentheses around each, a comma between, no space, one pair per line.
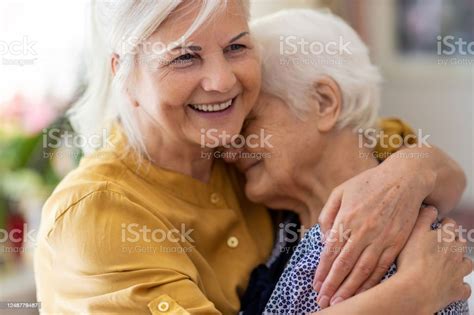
(212,108)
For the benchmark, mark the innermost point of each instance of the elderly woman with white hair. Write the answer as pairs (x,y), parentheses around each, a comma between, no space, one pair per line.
(315,106)
(149,223)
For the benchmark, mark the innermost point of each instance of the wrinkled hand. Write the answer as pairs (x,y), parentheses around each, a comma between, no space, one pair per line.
(434,260)
(367,221)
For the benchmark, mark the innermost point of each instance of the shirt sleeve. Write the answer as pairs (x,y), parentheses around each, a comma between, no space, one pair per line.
(111,256)
(393,127)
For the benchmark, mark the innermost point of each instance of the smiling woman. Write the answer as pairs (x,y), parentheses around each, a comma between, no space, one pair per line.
(152,177)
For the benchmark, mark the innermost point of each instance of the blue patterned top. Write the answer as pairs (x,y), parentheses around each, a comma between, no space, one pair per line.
(294,293)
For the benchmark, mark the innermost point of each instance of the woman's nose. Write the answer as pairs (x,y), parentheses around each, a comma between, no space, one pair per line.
(219,76)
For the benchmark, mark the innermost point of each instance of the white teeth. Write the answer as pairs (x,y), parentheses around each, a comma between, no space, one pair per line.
(212,107)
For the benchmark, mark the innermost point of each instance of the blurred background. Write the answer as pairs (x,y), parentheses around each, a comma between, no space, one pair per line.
(41,75)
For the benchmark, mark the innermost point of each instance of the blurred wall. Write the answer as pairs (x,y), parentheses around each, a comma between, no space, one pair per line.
(439,99)
(263,7)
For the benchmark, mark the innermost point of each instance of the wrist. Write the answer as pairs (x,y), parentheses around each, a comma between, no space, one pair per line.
(413,292)
(418,174)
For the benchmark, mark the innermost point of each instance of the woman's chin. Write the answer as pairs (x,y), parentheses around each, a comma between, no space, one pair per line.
(256,192)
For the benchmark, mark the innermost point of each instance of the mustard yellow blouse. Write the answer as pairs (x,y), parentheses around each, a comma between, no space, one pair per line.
(118,236)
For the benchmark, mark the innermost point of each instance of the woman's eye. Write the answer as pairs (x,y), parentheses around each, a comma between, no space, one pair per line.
(235,48)
(183,60)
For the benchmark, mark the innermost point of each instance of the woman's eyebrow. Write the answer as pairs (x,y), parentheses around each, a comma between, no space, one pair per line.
(191,47)
(199,48)
(238,37)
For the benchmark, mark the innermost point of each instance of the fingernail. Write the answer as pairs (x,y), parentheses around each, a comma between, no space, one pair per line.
(317,286)
(324,301)
(433,209)
(336,300)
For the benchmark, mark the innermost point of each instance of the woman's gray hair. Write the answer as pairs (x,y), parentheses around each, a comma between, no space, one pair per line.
(301,46)
(119,27)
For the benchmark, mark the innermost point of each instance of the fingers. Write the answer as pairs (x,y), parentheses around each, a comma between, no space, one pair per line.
(447,232)
(330,210)
(466,291)
(466,266)
(364,267)
(333,245)
(328,256)
(449,224)
(383,265)
(456,247)
(342,266)
(426,217)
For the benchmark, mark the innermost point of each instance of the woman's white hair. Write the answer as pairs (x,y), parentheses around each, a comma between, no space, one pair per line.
(301,46)
(120,27)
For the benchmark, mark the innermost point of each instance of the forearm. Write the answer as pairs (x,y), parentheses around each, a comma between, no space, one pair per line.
(397,295)
(442,179)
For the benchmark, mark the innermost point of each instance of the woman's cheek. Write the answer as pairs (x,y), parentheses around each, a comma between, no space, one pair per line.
(250,76)
(178,87)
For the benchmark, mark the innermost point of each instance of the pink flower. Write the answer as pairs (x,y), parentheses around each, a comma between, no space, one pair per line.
(30,116)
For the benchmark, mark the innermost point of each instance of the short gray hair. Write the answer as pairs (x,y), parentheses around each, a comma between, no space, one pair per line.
(290,71)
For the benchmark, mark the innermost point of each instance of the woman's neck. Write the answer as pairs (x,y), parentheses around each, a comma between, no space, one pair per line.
(180,156)
(343,159)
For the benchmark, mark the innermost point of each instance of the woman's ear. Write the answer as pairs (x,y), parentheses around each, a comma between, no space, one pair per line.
(115,63)
(329,98)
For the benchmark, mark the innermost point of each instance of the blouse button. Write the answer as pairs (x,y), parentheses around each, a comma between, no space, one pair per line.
(215,198)
(163,306)
(232,242)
